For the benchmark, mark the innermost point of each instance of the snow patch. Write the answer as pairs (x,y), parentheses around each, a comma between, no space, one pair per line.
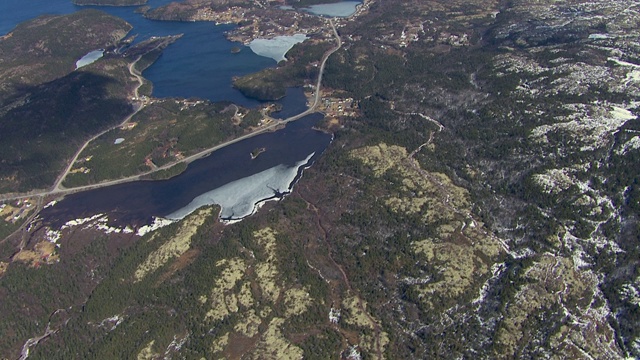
(76,222)
(334,315)
(112,322)
(591,125)
(624,63)
(631,294)
(554,181)
(53,236)
(496,271)
(175,345)
(99,222)
(48,205)
(155,225)
(632,144)
(636,346)
(353,353)
(578,256)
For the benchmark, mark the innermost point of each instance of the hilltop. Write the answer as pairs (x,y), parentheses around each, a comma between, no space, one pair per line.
(479,200)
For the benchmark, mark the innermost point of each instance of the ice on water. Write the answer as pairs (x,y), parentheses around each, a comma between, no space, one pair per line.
(277,47)
(90,58)
(339,9)
(238,199)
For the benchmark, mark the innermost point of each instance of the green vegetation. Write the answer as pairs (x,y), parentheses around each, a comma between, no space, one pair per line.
(168,173)
(163,132)
(46,48)
(271,84)
(53,115)
(265,85)
(481,197)
(174,11)
(41,98)
(257,151)
(56,105)
(211,294)
(7,228)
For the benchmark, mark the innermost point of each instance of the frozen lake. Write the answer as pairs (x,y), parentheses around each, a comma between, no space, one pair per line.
(90,58)
(277,47)
(228,177)
(340,9)
(241,198)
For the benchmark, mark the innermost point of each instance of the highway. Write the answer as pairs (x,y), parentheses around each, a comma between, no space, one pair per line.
(57,189)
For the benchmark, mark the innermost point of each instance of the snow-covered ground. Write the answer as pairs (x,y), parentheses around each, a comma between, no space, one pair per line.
(155,225)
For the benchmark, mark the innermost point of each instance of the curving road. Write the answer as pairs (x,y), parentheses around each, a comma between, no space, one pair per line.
(57,189)
(137,107)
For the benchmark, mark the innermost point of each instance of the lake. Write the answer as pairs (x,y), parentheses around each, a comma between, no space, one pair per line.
(200,64)
(287,153)
(339,9)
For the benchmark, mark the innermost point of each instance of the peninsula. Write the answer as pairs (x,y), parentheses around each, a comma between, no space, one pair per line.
(58,189)
(478,200)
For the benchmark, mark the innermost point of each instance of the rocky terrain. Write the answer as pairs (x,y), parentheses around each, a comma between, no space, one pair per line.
(483,202)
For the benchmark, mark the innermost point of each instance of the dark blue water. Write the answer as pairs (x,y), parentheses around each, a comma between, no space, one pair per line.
(13,12)
(135,203)
(206,54)
(292,104)
(200,64)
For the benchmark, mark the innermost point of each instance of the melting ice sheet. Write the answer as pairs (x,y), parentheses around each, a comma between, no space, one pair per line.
(339,9)
(277,47)
(90,58)
(240,198)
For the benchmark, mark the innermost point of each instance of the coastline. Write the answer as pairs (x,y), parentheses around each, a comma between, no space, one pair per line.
(57,192)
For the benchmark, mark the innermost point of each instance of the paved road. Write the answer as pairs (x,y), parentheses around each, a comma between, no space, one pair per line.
(59,190)
(137,107)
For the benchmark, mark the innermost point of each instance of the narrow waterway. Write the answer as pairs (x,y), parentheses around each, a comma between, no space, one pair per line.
(200,64)
(135,203)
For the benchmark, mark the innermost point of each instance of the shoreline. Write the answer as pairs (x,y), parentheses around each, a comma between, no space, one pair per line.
(256,152)
(57,191)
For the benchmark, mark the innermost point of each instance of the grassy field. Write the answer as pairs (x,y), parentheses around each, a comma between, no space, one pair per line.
(165,131)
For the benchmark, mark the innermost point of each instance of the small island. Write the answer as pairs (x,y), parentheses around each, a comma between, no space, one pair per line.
(257,151)
(235,49)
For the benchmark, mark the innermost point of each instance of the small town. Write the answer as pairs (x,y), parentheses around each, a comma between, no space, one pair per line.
(14,212)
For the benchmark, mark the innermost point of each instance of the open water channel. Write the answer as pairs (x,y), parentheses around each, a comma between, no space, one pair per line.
(200,64)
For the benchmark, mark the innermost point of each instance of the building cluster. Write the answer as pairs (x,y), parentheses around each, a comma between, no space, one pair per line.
(232,15)
(11,213)
(261,29)
(334,315)
(339,107)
